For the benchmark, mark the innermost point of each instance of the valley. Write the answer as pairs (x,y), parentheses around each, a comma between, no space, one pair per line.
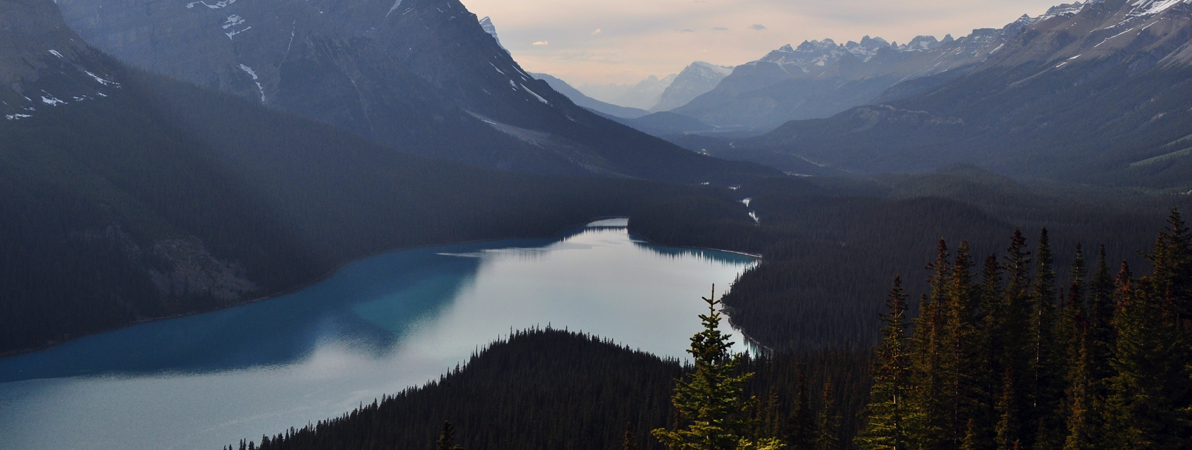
(340,224)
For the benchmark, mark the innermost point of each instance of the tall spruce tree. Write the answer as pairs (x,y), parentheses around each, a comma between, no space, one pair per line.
(931,359)
(447,438)
(1009,424)
(964,341)
(709,401)
(1084,424)
(800,426)
(630,439)
(1047,364)
(889,407)
(1017,348)
(1150,393)
(829,422)
(991,317)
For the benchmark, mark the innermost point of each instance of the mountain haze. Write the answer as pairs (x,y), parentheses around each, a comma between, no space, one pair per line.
(1096,93)
(421,76)
(695,80)
(642,95)
(582,100)
(818,79)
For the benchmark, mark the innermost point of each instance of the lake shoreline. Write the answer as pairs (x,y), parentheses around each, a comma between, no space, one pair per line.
(335,270)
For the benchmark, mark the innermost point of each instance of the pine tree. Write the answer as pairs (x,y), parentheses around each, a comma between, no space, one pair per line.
(1149,394)
(630,439)
(1048,390)
(710,400)
(1018,348)
(962,336)
(1084,415)
(989,375)
(829,423)
(769,416)
(889,409)
(447,438)
(800,426)
(1009,426)
(931,359)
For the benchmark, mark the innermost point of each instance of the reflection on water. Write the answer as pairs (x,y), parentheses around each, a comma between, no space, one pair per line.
(375,327)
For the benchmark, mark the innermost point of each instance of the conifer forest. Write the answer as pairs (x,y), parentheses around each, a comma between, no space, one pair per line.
(1008,351)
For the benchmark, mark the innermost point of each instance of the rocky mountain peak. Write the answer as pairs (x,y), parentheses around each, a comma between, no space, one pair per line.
(487,24)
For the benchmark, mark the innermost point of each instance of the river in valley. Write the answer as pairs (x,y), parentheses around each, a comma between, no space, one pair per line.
(375,327)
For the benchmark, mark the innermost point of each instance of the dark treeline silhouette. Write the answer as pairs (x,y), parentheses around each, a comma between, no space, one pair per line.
(563,390)
(1011,354)
(829,248)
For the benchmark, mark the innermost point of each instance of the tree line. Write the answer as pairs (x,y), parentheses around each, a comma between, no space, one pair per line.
(999,358)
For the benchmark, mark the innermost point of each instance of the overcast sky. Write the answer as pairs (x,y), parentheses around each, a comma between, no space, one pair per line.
(623,41)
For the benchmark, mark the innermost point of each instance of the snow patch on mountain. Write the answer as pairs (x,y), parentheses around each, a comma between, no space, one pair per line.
(1151,7)
(217,5)
(232,22)
(49,99)
(255,79)
(102,81)
(396,5)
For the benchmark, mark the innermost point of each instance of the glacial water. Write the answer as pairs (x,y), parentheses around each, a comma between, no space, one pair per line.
(375,327)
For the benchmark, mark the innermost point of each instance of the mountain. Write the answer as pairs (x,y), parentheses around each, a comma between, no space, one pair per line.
(43,65)
(1098,93)
(130,196)
(420,76)
(582,100)
(818,79)
(643,95)
(694,81)
(486,24)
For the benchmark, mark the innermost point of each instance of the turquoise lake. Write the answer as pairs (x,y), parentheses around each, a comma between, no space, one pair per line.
(375,327)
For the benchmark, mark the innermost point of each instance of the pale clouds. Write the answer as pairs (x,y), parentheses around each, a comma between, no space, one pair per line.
(636,38)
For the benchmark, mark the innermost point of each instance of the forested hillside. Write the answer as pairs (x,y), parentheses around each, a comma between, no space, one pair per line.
(554,389)
(1015,352)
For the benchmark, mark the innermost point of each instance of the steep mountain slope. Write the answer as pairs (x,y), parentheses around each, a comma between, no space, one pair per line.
(421,76)
(1099,95)
(695,80)
(818,79)
(582,100)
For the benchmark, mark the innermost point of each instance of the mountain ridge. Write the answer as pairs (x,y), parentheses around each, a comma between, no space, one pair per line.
(420,76)
(1095,93)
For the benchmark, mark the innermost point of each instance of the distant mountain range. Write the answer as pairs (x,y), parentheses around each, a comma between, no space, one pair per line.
(582,100)
(695,80)
(643,95)
(420,76)
(1096,92)
(820,78)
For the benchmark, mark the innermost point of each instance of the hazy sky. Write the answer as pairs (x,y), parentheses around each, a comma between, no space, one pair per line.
(623,41)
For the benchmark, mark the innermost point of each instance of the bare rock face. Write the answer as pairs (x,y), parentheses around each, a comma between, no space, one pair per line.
(193,272)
